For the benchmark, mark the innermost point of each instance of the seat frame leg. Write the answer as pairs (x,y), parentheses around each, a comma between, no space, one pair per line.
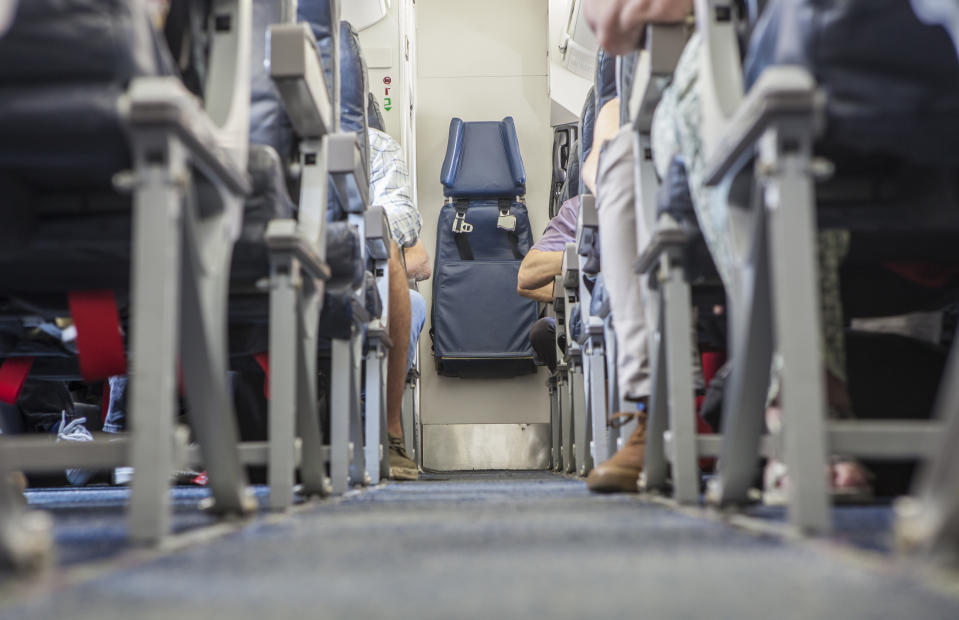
(751,346)
(786,155)
(284,353)
(655,463)
(377,442)
(204,353)
(158,205)
(340,404)
(930,522)
(312,462)
(598,407)
(555,421)
(358,462)
(676,346)
(581,427)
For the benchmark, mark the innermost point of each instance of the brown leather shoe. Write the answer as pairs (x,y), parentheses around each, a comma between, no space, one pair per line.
(621,472)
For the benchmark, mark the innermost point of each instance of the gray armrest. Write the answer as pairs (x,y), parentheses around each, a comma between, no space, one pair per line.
(664,240)
(588,221)
(163,103)
(559,298)
(282,236)
(570,267)
(781,93)
(296,71)
(227,88)
(345,164)
(664,46)
(377,229)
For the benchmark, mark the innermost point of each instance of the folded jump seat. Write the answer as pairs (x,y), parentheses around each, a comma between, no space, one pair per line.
(480,324)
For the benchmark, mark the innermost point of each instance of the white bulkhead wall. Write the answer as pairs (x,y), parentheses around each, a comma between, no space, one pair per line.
(481,60)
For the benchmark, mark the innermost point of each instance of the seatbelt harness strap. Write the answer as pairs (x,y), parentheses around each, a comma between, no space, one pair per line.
(507,221)
(13,374)
(460,228)
(99,341)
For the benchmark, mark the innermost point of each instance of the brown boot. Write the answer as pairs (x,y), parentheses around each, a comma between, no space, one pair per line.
(621,472)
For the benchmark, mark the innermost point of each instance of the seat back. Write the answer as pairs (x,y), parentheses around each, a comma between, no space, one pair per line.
(480,325)
(374,115)
(55,102)
(605,79)
(891,81)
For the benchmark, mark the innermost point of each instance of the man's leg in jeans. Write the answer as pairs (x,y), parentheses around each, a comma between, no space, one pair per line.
(401,466)
(417,321)
(615,203)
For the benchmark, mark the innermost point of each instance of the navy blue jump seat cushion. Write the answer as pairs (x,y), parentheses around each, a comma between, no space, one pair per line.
(480,324)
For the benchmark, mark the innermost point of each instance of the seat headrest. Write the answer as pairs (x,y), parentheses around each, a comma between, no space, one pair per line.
(586,121)
(605,78)
(319,15)
(483,160)
(269,124)
(374,114)
(353,84)
(110,41)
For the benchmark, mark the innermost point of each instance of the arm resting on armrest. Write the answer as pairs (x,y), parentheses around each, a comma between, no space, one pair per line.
(538,269)
(543,294)
(418,262)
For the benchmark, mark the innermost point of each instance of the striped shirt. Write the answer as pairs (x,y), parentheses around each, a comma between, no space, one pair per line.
(390,188)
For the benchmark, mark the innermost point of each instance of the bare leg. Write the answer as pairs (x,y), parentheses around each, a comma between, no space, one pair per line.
(399,318)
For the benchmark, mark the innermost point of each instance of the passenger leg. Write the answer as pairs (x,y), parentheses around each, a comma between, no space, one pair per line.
(402,466)
(615,203)
(542,337)
(417,321)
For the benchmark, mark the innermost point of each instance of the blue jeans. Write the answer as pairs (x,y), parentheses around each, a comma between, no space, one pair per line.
(417,321)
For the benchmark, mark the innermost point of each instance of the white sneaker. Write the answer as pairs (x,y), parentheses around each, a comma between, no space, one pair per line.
(75,431)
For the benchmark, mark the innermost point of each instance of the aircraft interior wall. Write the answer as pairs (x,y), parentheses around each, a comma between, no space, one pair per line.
(476,64)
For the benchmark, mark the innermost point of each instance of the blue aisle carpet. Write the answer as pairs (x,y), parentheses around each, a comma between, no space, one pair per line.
(485,546)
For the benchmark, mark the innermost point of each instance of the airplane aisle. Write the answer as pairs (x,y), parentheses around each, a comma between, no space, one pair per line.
(495,545)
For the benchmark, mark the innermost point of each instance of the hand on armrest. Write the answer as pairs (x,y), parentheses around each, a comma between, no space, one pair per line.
(418,262)
(618,24)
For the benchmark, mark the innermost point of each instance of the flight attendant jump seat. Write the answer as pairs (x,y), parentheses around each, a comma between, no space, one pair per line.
(480,324)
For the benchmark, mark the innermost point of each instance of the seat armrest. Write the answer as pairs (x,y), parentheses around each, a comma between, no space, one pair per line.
(663,240)
(227,88)
(559,297)
(657,61)
(163,103)
(295,69)
(570,267)
(377,229)
(346,167)
(781,93)
(588,221)
(282,236)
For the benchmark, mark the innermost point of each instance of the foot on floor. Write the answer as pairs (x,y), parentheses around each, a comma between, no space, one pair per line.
(402,466)
(620,473)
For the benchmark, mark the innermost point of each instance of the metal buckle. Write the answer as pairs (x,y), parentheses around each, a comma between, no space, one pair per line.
(506,221)
(460,225)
